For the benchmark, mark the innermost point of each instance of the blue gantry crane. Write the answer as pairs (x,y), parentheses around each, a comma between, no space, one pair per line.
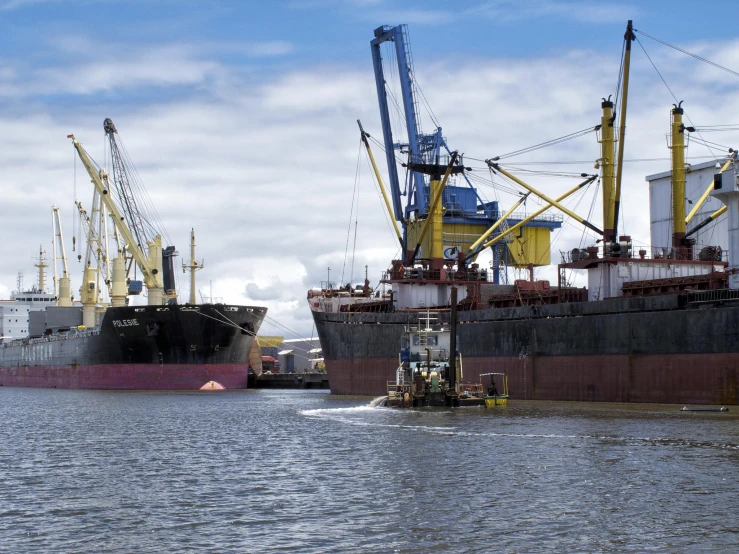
(463,216)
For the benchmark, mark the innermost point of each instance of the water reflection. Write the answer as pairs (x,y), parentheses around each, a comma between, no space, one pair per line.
(302,471)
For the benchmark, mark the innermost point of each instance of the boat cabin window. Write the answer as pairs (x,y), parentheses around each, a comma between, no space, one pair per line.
(431,340)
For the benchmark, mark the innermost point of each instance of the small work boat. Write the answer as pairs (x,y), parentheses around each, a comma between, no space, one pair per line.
(494,398)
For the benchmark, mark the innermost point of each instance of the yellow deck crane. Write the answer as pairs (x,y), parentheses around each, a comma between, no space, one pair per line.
(62,288)
(95,228)
(150,263)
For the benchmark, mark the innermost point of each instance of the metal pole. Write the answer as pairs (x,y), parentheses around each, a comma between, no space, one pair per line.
(453,343)
(628,36)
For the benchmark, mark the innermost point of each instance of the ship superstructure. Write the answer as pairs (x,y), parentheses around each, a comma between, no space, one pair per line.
(652,325)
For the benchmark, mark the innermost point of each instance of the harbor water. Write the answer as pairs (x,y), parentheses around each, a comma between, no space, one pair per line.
(304,471)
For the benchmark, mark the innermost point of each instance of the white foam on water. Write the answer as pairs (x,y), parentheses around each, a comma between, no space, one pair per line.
(323,412)
(344,415)
(380,401)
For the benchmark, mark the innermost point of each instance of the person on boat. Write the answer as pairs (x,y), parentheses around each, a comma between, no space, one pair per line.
(492,389)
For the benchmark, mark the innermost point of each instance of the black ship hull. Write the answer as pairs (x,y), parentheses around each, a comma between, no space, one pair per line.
(140,347)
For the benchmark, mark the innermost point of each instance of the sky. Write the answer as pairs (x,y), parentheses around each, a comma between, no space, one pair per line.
(240,118)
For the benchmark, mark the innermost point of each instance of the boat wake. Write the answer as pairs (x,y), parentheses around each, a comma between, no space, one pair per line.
(380,401)
(354,416)
(329,412)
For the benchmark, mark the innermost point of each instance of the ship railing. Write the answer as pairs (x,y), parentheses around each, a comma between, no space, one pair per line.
(712,296)
(51,338)
(625,249)
(398,389)
(549,218)
(421,274)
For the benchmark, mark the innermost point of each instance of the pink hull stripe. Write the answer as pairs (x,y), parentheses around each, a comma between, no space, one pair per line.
(669,379)
(126,376)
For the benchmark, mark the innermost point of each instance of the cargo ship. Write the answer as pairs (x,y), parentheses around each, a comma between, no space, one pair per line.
(89,344)
(652,325)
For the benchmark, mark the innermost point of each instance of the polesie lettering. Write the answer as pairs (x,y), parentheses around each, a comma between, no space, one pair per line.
(125,322)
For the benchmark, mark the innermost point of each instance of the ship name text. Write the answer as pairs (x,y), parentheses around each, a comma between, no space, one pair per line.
(124,322)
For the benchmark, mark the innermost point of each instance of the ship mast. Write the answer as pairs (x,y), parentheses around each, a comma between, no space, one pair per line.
(193,265)
(41,265)
(677,146)
(628,37)
(607,166)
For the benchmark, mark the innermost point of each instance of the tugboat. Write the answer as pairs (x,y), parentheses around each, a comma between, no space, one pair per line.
(430,368)
(423,374)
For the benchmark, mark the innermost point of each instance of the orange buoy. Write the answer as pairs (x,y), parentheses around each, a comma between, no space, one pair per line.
(212,385)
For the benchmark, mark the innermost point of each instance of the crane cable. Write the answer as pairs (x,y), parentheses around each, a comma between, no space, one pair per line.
(546,144)
(672,93)
(352,214)
(696,56)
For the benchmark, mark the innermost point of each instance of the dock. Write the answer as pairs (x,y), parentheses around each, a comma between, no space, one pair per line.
(289,381)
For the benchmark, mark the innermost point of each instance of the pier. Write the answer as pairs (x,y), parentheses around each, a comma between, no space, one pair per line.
(305,380)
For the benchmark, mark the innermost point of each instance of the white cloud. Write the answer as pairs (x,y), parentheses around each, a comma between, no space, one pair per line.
(264,170)
(116,69)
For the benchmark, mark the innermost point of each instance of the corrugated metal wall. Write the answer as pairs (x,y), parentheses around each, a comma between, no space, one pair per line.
(660,208)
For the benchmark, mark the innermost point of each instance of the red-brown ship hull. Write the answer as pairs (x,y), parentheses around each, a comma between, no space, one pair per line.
(676,379)
(665,349)
(126,376)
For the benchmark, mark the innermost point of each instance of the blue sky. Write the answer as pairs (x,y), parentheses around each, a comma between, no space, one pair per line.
(241,116)
(295,34)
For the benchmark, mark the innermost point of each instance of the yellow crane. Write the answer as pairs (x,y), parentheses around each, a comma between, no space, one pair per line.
(149,263)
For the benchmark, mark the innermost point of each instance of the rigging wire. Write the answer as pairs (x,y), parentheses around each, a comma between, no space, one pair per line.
(577,162)
(669,89)
(696,56)
(351,211)
(566,174)
(705,142)
(426,103)
(75,212)
(565,138)
(388,221)
(620,78)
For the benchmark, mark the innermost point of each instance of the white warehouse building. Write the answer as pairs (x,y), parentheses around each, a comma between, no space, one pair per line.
(697,179)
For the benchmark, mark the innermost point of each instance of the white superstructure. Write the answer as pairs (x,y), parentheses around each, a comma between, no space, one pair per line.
(14,312)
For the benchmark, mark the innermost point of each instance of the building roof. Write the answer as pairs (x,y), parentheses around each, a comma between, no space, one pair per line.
(693,167)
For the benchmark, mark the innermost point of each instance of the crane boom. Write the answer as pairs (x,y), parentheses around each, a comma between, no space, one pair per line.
(151,274)
(122,185)
(61,284)
(96,239)
(135,205)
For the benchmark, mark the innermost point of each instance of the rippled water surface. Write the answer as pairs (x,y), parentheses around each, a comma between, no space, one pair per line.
(302,471)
